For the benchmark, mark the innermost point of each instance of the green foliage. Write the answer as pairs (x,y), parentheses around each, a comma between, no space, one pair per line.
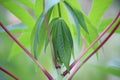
(27,3)
(78,19)
(38,7)
(62,41)
(74,3)
(19,12)
(39,31)
(49,4)
(98,9)
(63,29)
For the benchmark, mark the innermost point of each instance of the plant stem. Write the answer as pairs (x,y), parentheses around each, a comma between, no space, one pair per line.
(27,52)
(50,39)
(86,59)
(9,73)
(59,11)
(98,38)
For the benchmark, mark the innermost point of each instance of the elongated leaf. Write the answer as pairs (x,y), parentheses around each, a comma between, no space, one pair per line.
(15,28)
(49,4)
(27,3)
(66,17)
(36,36)
(38,8)
(40,29)
(75,20)
(74,3)
(78,19)
(81,20)
(97,10)
(79,16)
(62,41)
(19,12)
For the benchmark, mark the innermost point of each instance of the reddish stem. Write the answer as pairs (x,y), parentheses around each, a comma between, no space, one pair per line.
(27,52)
(9,73)
(98,38)
(57,66)
(86,59)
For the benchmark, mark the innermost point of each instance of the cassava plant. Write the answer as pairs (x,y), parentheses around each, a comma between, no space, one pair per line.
(60,24)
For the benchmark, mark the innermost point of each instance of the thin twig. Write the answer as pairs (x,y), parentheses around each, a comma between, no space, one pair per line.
(27,52)
(98,38)
(86,59)
(50,39)
(9,73)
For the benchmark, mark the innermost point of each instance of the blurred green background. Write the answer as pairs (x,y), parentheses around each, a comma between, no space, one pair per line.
(23,67)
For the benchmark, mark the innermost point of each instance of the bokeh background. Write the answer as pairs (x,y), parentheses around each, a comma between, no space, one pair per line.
(22,66)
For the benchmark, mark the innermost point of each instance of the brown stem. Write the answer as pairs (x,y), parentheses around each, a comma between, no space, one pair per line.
(9,73)
(27,52)
(50,39)
(98,38)
(86,59)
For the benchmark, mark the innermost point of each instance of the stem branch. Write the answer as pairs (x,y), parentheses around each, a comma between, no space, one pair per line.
(87,58)
(27,52)
(98,38)
(9,73)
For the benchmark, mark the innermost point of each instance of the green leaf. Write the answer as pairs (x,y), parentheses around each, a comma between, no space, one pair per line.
(39,40)
(74,3)
(93,34)
(35,37)
(81,20)
(78,19)
(98,9)
(75,20)
(87,27)
(38,8)
(28,3)
(19,12)
(40,29)
(62,41)
(20,27)
(66,17)
(49,4)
